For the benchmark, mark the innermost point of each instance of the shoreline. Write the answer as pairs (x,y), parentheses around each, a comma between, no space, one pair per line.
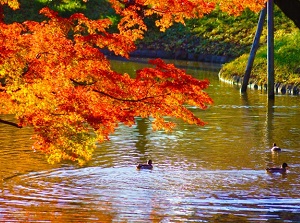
(177,55)
(279,88)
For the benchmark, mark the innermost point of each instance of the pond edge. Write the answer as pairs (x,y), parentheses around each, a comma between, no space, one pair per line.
(279,88)
(177,55)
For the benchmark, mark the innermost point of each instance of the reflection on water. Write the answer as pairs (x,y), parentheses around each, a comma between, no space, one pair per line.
(213,173)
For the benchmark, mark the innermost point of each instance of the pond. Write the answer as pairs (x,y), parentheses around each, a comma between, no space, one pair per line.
(214,173)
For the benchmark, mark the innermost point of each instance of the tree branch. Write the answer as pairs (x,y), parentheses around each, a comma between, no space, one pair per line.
(119,99)
(10,123)
(290,9)
(81,83)
(130,100)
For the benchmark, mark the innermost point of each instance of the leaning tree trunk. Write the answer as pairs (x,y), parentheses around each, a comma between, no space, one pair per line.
(291,8)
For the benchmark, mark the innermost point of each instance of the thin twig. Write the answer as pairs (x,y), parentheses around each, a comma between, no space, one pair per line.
(10,123)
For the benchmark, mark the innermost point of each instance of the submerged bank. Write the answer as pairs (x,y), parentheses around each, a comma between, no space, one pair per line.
(279,88)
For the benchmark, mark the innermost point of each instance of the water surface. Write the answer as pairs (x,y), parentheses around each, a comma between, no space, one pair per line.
(213,173)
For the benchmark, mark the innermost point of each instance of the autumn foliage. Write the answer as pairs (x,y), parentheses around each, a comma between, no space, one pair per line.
(55,79)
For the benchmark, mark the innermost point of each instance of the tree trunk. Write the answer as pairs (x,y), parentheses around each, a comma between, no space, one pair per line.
(255,45)
(291,8)
(270,53)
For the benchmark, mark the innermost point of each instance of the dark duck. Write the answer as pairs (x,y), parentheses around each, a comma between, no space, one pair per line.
(281,169)
(147,166)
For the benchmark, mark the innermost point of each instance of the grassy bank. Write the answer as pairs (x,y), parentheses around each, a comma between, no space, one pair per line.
(287,61)
(217,34)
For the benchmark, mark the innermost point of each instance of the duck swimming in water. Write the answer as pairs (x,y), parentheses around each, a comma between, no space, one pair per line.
(275,148)
(281,169)
(147,166)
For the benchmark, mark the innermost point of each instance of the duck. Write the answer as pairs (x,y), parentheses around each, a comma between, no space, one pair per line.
(147,166)
(275,148)
(281,169)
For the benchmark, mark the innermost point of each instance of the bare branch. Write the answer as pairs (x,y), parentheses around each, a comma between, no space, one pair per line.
(82,83)
(10,123)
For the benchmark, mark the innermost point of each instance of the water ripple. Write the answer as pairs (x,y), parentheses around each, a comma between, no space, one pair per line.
(134,194)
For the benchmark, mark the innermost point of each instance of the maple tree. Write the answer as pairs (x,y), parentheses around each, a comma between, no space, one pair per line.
(55,79)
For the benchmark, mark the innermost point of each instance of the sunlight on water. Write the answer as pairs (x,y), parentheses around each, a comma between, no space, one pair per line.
(214,173)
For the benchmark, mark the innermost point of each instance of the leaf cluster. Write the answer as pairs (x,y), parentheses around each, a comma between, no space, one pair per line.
(55,79)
